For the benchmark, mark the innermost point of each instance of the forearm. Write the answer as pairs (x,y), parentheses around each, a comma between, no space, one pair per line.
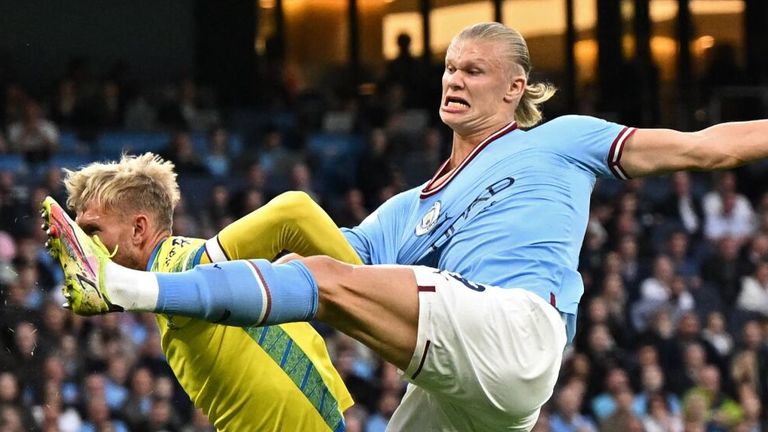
(291,221)
(723,146)
(733,144)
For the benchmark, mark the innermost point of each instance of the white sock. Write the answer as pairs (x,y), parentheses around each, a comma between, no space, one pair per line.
(134,290)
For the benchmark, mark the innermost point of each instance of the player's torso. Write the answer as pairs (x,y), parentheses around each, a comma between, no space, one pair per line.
(514,216)
(271,378)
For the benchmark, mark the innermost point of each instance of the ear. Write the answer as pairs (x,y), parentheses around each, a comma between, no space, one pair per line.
(141,228)
(516,88)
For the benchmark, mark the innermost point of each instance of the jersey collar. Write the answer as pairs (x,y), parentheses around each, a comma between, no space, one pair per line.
(434,187)
(153,257)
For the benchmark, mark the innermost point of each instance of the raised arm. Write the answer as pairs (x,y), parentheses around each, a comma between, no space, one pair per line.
(727,145)
(291,221)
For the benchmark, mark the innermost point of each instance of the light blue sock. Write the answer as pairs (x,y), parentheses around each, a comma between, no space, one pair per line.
(240,293)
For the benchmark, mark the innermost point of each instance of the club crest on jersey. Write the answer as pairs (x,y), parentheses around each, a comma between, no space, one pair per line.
(429,220)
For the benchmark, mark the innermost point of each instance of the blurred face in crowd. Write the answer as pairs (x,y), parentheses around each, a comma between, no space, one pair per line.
(480,92)
(653,378)
(116,230)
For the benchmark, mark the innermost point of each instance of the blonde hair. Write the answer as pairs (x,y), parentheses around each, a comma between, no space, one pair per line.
(145,182)
(527,113)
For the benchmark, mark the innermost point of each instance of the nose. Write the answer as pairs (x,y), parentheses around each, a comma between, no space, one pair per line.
(454,80)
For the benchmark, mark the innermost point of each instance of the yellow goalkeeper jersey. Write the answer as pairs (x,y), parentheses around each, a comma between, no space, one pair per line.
(276,378)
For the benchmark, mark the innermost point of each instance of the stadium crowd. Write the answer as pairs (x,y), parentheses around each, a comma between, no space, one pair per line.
(672,333)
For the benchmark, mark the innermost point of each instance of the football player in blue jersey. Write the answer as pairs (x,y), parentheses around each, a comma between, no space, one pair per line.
(484,295)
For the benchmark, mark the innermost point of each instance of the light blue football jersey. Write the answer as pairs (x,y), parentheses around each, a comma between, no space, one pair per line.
(513,214)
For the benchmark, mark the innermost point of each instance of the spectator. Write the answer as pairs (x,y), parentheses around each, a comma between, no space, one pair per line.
(115,389)
(374,171)
(605,404)
(98,418)
(622,418)
(65,104)
(36,138)
(139,403)
(275,158)
(722,270)
(200,423)
(377,422)
(217,161)
(301,180)
(720,410)
(717,335)
(659,417)
(683,208)
(352,209)
(567,418)
(160,418)
(727,212)
(182,153)
(683,262)
(754,291)
(653,387)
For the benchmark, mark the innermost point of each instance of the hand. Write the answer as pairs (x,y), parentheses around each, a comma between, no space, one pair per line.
(288,258)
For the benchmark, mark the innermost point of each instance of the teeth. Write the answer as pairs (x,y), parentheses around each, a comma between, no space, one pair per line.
(455,103)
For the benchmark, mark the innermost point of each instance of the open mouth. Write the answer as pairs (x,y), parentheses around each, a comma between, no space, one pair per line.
(454,101)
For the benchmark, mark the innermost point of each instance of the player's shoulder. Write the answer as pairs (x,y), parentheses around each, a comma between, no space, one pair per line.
(569,124)
(177,253)
(571,131)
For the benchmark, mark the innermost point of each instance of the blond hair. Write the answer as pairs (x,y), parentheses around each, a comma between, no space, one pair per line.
(143,183)
(527,113)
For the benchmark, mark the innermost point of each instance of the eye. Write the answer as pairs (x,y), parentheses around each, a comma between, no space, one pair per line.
(90,230)
(450,68)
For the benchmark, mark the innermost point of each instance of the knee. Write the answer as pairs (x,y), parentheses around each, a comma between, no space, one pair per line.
(334,281)
(292,204)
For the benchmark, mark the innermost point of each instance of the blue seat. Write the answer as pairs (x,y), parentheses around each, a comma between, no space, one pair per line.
(69,142)
(70,161)
(338,155)
(12,162)
(111,144)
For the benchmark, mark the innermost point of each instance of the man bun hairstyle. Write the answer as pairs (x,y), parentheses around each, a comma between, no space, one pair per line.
(515,52)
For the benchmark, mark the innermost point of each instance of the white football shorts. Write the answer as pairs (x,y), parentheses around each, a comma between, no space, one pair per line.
(486,358)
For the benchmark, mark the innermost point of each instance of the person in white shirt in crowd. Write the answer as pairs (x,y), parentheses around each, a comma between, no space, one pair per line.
(727,212)
(754,290)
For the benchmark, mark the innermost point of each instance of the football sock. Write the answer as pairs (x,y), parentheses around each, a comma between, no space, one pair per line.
(240,293)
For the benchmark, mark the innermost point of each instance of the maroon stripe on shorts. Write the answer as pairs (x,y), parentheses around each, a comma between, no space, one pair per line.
(427,288)
(423,358)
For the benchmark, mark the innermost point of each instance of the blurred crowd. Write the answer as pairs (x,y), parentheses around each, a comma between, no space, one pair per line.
(673,328)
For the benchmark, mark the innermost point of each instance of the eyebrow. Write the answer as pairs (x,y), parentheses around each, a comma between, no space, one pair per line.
(481,63)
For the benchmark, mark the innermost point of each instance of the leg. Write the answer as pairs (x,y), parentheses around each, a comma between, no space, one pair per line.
(377,305)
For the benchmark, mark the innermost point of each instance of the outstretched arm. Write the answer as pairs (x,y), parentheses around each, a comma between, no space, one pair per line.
(292,221)
(723,146)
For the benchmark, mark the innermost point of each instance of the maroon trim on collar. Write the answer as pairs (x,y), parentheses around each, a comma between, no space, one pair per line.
(430,189)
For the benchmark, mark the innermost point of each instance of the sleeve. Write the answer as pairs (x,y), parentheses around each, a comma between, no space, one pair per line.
(292,221)
(376,238)
(593,144)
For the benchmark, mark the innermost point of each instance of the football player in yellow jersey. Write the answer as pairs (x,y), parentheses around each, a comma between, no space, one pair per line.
(277,378)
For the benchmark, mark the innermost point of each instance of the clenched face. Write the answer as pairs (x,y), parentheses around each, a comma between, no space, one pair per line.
(479,94)
(114,229)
